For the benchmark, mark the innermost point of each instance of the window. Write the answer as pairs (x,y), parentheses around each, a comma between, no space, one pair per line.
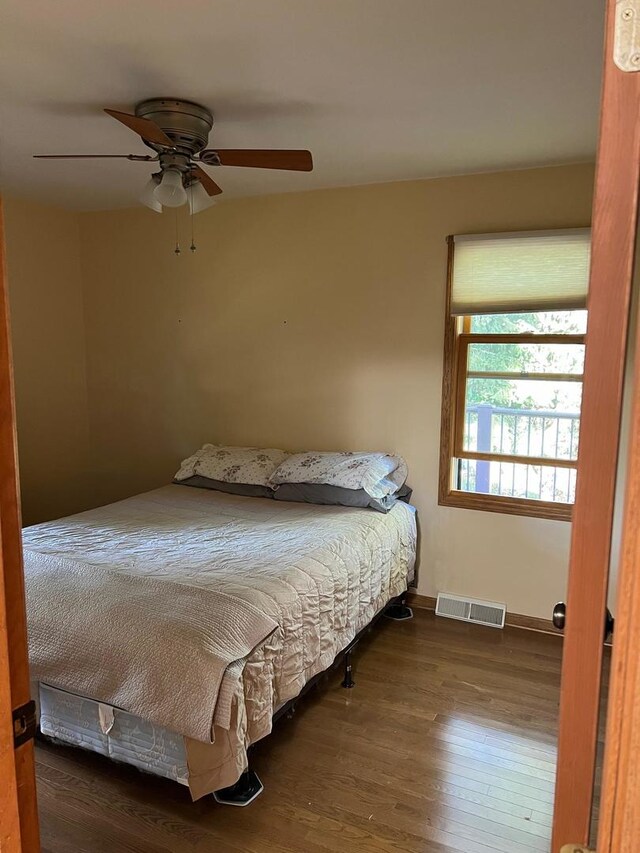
(514,360)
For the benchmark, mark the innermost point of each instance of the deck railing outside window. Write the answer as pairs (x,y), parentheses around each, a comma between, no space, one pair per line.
(522,432)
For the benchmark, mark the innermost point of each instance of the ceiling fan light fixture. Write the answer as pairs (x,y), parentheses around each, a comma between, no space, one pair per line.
(198,198)
(147,196)
(178,132)
(170,192)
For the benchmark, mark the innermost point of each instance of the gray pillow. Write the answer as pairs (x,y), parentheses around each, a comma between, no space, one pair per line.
(248,490)
(321,493)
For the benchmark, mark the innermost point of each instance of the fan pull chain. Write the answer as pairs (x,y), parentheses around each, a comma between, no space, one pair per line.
(192,247)
(176,251)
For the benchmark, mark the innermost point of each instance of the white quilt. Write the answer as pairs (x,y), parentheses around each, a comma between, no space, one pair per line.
(318,573)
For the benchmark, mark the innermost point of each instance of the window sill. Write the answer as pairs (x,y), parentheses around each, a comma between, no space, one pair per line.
(508,506)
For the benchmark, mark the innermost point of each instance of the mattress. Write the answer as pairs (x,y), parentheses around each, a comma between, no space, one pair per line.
(321,573)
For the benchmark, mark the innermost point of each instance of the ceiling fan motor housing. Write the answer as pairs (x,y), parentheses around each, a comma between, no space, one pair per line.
(187,124)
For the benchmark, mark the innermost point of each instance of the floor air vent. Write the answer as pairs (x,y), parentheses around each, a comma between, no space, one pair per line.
(471,610)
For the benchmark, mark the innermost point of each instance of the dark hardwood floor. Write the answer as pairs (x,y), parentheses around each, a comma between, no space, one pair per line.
(447,743)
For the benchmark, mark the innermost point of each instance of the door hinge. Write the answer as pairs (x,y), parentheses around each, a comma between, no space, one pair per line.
(626,40)
(576,848)
(24,723)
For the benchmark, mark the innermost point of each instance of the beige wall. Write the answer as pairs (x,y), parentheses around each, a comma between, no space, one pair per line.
(311,320)
(45,290)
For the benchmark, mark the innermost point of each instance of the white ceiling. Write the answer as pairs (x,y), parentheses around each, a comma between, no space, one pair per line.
(379,90)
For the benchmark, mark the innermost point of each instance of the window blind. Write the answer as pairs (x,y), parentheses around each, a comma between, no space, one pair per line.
(520,272)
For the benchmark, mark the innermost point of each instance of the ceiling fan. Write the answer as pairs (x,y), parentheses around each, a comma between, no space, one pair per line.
(178,132)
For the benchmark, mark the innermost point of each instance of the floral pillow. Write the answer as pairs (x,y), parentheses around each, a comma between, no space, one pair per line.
(253,465)
(379,474)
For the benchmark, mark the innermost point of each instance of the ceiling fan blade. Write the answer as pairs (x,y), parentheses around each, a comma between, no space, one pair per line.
(145,157)
(260,158)
(144,127)
(208,183)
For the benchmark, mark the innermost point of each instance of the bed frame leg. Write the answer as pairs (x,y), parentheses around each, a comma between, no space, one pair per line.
(399,610)
(245,791)
(348,681)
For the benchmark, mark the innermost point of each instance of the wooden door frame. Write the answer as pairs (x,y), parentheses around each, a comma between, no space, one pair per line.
(619,829)
(619,826)
(9,811)
(12,600)
(614,221)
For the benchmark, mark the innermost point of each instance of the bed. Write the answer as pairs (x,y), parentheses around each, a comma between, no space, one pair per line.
(169,629)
